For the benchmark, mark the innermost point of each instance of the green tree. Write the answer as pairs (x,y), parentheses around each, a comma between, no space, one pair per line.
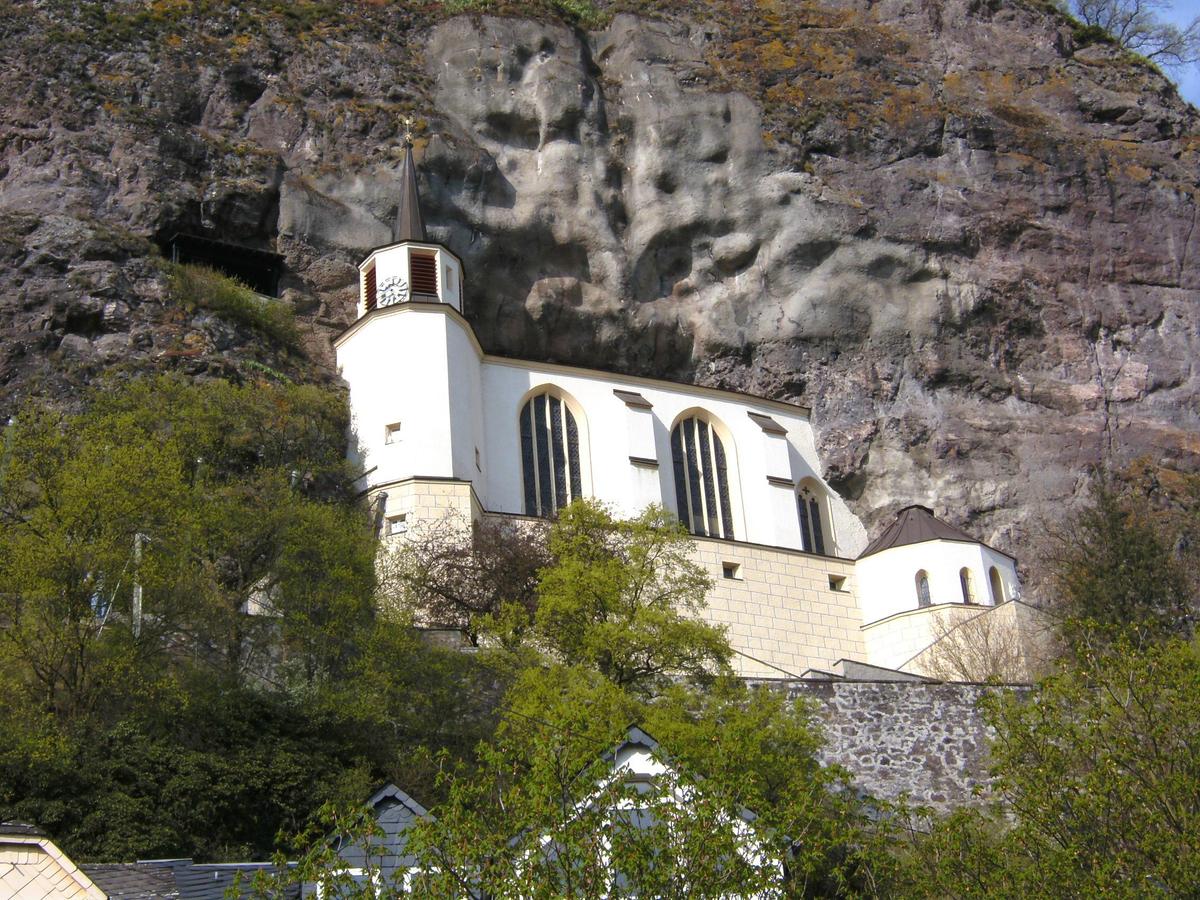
(450,573)
(260,683)
(739,807)
(623,597)
(1097,782)
(1112,568)
(216,499)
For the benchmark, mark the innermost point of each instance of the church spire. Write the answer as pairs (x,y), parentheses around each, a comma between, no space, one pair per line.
(409,224)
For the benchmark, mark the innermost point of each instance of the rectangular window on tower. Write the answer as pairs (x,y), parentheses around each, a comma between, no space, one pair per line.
(369,289)
(423,274)
(391,433)
(397,524)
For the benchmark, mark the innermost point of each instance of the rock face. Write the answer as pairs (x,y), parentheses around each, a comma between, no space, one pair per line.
(966,240)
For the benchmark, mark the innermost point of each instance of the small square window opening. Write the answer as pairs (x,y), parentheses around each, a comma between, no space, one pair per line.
(837,583)
(391,433)
(732,570)
(397,524)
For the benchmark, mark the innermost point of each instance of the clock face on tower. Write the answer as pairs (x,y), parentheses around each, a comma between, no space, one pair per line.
(393,290)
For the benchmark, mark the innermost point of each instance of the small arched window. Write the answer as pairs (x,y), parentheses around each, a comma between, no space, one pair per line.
(549,455)
(997,586)
(923,589)
(701,478)
(812,530)
(968,589)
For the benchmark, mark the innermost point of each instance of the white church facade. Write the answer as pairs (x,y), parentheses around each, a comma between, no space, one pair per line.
(442,428)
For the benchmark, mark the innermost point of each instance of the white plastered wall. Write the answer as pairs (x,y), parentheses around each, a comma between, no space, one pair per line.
(616,433)
(887,580)
(398,369)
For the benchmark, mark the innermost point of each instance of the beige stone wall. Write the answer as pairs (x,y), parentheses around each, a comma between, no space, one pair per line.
(781,614)
(429,500)
(1013,635)
(34,869)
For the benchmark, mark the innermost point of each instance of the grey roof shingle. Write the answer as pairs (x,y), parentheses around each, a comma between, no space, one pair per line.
(914,525)
(177,879)
(132,881)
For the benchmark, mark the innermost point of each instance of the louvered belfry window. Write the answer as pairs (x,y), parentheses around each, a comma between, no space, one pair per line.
(549,455)
(369,288)
(422,270)
(812,537)
(701,479)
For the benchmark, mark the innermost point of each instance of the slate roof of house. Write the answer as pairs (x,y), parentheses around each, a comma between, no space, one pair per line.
(132,881)
(915,525)
(22,828)
(395,812)
(176,879)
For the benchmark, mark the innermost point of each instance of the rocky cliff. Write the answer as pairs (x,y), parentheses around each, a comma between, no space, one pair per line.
(961,233)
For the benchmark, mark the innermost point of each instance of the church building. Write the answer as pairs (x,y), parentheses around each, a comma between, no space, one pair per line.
(442,428)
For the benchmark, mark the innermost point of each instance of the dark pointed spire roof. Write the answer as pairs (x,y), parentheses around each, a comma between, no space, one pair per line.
(409,224)
(914,525)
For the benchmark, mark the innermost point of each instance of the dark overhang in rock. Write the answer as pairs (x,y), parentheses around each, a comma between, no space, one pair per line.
(258,269)
(409,224)
(915,525)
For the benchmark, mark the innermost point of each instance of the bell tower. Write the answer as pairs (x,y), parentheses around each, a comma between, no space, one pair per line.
(413,366)
(411,268)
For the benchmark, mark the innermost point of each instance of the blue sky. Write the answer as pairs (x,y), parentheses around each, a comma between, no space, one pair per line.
(1188,79)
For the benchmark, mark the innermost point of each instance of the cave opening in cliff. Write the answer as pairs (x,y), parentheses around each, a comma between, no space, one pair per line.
(259,270)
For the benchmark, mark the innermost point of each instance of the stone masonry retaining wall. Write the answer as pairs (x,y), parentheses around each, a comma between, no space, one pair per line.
(926,740)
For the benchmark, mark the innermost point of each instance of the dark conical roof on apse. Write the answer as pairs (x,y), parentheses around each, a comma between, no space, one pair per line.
(409,224)
(914,525)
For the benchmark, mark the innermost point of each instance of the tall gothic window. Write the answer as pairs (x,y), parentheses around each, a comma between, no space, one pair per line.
(812,535)
(997,586)
(701,479)
(549,455)
(968,589)
(923,599)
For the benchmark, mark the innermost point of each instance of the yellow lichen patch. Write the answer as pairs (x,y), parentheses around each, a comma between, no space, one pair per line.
(775,56)
(1021,116)
(1138,173)
(1022,162)
(170,7)
(954,82)
(1004,83)
(827,59)
(786,94)
(240,45)
(904,106)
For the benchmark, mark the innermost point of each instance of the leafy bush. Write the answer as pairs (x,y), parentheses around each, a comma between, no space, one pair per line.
(1086,35)
(198,287)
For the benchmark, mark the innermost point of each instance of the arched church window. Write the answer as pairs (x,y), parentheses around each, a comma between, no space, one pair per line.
(923,589)
(997,586)
(549,455)
(968,589)
(812,529)
(701,478)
